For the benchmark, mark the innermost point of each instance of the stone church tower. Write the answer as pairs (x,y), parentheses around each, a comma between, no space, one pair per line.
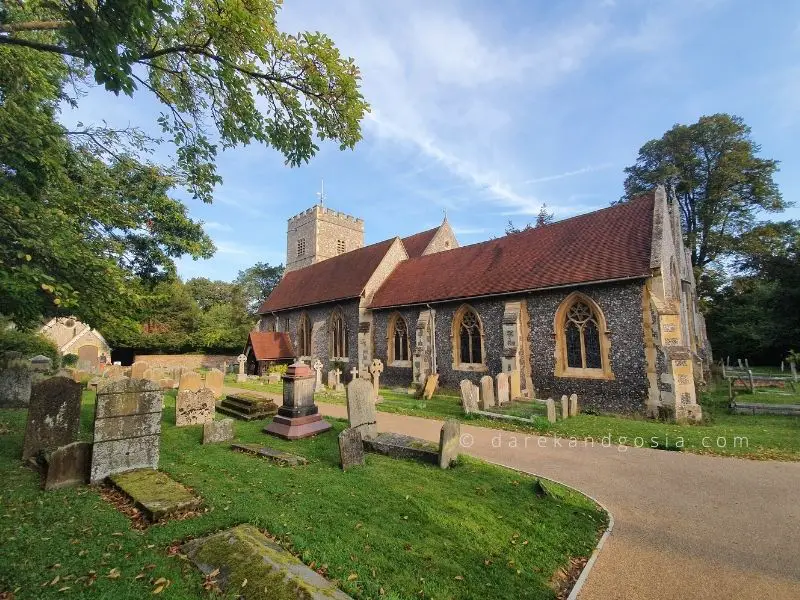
(320,233)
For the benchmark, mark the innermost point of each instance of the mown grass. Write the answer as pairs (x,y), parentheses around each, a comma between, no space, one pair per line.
(392,529)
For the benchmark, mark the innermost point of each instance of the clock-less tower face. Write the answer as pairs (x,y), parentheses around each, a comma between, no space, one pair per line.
(320,233)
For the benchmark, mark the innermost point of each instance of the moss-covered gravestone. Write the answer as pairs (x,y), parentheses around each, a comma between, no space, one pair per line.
(54,416)
(155,493)
(15,382)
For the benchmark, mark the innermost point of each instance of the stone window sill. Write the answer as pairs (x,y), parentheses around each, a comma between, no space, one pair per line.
(585,374)
(342,359)
(405,364)
(471,367)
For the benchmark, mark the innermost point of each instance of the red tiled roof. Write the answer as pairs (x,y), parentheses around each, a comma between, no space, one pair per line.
(416,244)
(334,279)
(271,345)
(608,244)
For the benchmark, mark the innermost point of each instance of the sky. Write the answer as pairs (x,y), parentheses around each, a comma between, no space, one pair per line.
(485,111)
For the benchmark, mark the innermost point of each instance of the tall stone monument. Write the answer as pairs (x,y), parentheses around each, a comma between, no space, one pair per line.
(298,417)
(241,376)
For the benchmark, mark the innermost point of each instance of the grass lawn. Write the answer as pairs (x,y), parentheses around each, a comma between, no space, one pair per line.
(257,386)
(392,529)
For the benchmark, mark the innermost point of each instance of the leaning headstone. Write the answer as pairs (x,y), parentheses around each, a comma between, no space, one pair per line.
(564,407)
(67,465)
(332,379)
(218,431)
(746,364)
(317,366)
(214,381)
(127,427)
(551,410)
(573,405)
(502,389)
(194,408)
(361,409)
(514,384)
(54,416)
(487,392)
(449,440)
(190,381)
(430,386)
(15,383)
(741,366)
(241,375)
(469,396)
(351,449)
(42,363)
(138,369)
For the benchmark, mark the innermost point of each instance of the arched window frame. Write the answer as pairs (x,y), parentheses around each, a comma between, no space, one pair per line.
(304,336)
(462,363)
(337,336)
(562,366)
(396,320)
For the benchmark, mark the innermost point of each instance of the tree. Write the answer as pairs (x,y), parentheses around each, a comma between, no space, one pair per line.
(208,293)
(544,217)
(222,63)
(712,173)
(257,282)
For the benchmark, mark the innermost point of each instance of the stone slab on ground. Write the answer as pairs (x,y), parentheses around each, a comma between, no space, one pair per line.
(218,431)
(247,407)
(248,563)
(276,456)
(397,445)
(156,493)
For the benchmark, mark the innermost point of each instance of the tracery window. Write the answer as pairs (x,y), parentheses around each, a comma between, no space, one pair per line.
(338,335)
(398,350)
(467,337)
(304,335)
(581,339)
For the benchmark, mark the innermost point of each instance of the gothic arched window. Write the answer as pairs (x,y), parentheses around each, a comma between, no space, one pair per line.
(398,350)
(338,335)
(581,339)
(467,338)
(304,335)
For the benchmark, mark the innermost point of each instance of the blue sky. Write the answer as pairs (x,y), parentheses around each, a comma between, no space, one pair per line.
(488,110)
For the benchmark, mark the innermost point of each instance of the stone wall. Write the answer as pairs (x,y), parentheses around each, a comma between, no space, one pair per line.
(191,361)
(321,228)
(444,239)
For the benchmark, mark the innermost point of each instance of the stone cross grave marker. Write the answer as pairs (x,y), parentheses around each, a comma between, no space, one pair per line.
(215,380)
(361,409)
(354,373)
(469,396)
(376,368)
(351,448)
(138,369)
(194,408)
(502,389)
(54,416)
(317,366)
(449,441)
(573,405)
(338,375)
(241,376)
(487,392)
(127,427)
(551,410)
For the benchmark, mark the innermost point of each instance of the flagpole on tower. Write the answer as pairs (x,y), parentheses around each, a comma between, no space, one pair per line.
(321,193)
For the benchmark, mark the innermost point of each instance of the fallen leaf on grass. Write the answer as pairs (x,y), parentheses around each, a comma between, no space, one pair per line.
(459,578)
(352,577)
(113,573)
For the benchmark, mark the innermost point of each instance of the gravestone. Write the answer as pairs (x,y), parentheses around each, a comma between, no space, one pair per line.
(351,449)
(361,409)
(449,441)
(573,405)
(502,389)
(94,384)
(317,366)
(332,379)
(79,375)
(166,383)
(487,392)
(298,417)
(67,465)
(194,408)
(215,380)
(15,383)
(354,373)
(551,410)
(138,369)
(793,367)
(339,385)
(190,381)
(564,407)
(54,416)
(746,364)
(241,376)
(514,384)
(430,386)
(376,368)
(741,366)
(218,431)
(41,363)
(127,427)
(469,396)
(149,374)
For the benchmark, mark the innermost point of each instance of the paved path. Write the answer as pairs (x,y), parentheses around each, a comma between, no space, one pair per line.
(686,526)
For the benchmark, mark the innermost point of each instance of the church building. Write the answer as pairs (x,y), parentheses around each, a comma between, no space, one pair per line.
(603,304)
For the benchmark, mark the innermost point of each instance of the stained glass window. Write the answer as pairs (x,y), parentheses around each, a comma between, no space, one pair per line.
(304,336)
(338,336)
(400,339)
(469,332)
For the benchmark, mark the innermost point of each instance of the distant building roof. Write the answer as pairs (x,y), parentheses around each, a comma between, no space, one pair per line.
(609,244)
(271,345)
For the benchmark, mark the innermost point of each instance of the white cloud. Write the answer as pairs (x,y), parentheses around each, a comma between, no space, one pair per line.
(216,226)
(565,174)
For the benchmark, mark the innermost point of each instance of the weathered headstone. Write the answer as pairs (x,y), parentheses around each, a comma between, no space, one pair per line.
(79,375)
(138,369)
(332,379)
(298,416)
(469,396)
(274,378)
(376,368)
(241,376)
(573,405)
(190,381)
(487,392)
(502,389)
(361,409)
(215,380)
(194,408)
(551,410)
(218,431)
(449,441)
(351,448)
(166,383)
(127,427)
(67,465)
(514,384)
(746,364)
(149,374)
(564,407)
(15,383)
(317,366)
(41,363)
(54,416)
(741,366)
(431,384)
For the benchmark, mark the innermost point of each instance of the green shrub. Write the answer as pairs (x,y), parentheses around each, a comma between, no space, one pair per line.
(29,344)
(280,369)
(69,360)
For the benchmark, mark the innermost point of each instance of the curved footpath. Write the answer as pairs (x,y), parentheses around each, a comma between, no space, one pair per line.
(685,525)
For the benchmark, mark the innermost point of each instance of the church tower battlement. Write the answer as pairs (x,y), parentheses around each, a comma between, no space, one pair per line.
(319,233)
